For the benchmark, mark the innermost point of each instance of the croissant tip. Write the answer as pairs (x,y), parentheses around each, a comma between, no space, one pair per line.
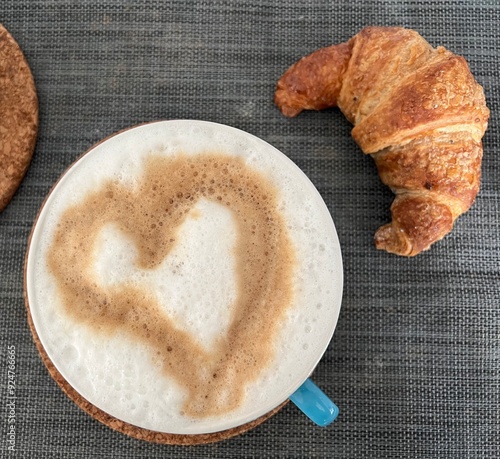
(280,102)
(290,112)
(393,240)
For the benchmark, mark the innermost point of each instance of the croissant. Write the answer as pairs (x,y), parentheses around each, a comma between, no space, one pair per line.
(417,110)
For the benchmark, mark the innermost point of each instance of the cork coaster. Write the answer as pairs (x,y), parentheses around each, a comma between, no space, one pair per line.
(124,427)
(18,116)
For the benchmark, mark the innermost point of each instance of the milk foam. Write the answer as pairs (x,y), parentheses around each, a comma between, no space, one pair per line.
(118,375)
(184,282)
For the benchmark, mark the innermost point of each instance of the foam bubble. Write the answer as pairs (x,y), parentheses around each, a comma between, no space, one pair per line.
(69,353)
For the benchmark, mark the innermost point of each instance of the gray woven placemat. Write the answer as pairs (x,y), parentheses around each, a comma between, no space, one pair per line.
(415,361)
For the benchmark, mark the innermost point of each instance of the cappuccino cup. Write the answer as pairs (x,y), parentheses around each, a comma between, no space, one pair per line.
(182,280)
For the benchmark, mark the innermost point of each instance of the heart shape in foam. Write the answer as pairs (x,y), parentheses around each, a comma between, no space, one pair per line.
(150,215)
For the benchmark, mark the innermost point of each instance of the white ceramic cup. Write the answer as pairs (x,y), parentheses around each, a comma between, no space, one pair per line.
(139,395)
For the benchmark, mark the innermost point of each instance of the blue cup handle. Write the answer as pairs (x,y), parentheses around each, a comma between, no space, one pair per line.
(315,404)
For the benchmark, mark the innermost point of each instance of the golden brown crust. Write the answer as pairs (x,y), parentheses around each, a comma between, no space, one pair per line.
(441,94)
(309,84)
(448,166)
(18,117)
(417,222)
(421,114)
(380,57)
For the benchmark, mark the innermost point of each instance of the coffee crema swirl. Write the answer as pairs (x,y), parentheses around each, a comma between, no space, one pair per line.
(150,214)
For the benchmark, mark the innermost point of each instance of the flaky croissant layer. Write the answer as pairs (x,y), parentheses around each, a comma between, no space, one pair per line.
(416,109)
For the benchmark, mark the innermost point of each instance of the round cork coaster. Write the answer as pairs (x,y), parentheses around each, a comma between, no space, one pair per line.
(124,427)
(18,116)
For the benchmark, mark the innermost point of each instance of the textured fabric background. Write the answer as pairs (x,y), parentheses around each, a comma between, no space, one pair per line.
(415,361)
